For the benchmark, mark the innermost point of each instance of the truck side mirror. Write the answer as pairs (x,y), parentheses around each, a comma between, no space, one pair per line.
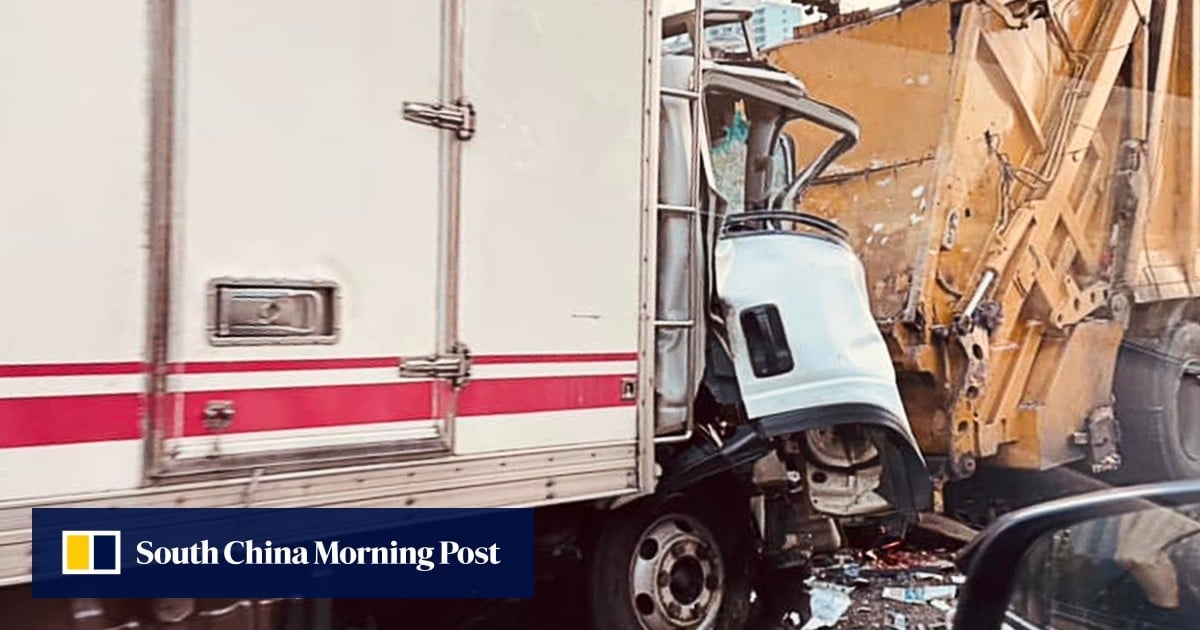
(1122,558)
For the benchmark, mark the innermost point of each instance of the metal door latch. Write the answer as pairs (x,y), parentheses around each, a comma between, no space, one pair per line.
(218,414)
(458,117)
(454,367)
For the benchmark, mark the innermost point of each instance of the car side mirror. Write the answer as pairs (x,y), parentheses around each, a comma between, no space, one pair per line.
(1118,558)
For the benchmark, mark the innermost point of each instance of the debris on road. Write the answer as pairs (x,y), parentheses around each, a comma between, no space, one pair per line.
(946,526)
(897,620)
(919,594)
(899,585)
(829,602)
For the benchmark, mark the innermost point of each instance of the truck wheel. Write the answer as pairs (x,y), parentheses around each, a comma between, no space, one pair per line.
(686,564)
(1158,407)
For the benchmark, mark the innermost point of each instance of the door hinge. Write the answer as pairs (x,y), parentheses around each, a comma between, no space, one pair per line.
(458,117)
(454,366)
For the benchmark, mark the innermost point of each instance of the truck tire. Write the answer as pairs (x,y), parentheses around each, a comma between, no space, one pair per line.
(683,564)
(1158,408)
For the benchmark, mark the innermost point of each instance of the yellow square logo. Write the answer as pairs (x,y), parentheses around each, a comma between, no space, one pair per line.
(91,552)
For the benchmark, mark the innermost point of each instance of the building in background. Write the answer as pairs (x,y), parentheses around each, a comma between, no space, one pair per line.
(774,22)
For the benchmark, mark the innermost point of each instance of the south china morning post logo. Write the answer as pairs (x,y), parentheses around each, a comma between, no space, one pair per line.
(251,552)
(91,552)
(282,552)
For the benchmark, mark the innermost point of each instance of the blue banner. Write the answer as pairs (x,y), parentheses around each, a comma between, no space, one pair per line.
(283,552)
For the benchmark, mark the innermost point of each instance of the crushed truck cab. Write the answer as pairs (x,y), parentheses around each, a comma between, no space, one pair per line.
(790,344)
(397,273)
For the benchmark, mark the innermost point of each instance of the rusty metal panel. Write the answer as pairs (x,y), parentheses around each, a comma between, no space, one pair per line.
(1164,264)
(881,190)
(1063,388)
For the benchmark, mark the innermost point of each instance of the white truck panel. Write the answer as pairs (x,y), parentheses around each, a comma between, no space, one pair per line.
(489,434)
(551,181)
(287,439)
(293,162)
(13,387)
(73,138)
(39,471)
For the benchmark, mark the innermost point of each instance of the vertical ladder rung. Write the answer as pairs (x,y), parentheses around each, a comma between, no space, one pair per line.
(692,209)
(676,92)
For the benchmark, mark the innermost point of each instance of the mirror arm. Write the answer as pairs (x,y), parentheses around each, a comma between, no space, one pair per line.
(805,177)
(830,118)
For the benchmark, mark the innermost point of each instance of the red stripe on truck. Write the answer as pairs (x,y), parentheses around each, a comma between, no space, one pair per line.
(310,407)
(528,395)
(69,369)
(75,419)
(69,419)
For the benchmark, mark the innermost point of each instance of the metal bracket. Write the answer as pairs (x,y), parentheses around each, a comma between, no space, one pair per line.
(1017,19)
(218,414)
(950,237)
(1101,439)
(454,366)
(458,117)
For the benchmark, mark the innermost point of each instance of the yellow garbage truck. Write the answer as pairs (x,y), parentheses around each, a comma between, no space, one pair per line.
(1025,197)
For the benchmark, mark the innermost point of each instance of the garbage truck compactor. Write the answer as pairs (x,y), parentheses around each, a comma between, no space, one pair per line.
(1026,201)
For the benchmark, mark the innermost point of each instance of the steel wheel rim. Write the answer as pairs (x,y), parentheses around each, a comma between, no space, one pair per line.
(676,575)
